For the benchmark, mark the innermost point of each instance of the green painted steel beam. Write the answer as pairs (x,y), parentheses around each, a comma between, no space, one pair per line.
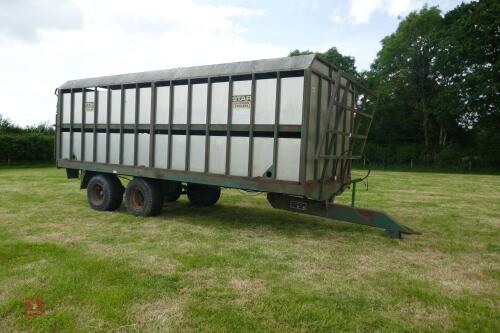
(259,184)
(338,212)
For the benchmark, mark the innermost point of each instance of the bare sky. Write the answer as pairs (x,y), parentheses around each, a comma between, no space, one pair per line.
(44,43)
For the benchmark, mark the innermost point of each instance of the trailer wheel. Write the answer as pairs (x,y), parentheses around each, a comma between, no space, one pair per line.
(172,190)
(104,192)
(144,197)
(203,195)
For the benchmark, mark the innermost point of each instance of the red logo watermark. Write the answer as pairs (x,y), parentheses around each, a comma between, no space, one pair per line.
(33,307)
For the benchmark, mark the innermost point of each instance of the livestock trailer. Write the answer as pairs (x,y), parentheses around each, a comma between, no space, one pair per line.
(290,127)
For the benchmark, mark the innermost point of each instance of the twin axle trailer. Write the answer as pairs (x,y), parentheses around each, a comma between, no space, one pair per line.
(290,127)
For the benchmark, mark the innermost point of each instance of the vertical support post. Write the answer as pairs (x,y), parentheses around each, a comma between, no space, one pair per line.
(318,123)
(345,161)
(96,110)
(229,121)
(82,126)
(188,125)
(330,97)
(136,123)
(170,119)
(207,124)
(306,106)
(353,197)
(253,95)
(351,131)
(276,124)
(60,102)
(152,126)
(71,120)
(122,119)
(333,140)
(108,122)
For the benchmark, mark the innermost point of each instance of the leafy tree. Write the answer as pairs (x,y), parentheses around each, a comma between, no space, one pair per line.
(405,71)
(345,63)
(7,126)
(469,66)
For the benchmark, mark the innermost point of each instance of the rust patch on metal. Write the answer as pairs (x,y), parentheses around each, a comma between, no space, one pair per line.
(366,213)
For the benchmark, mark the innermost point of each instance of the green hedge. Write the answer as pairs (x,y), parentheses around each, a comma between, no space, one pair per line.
(26,147)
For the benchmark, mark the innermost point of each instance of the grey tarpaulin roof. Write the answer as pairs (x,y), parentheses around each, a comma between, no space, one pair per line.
(234,68)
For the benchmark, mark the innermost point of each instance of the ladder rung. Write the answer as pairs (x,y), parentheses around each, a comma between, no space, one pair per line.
(356,136)
(364,114)
(338,132)
(339,157)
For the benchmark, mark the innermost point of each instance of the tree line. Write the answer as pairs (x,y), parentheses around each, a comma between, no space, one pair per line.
(31,144)
(437,78)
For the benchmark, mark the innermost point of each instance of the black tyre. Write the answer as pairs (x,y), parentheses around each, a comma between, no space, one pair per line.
(144,197)
(104,192)
(203,195)
(171,190)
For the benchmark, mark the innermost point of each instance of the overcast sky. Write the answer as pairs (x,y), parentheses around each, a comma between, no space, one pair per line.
(44,43)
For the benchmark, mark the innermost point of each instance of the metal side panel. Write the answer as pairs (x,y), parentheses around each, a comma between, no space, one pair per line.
(161,151)
(265,101)
(320,67)
(77,146)
(180,104)
(65,145)
(143,149)
(179,151)
(114,148)
(217,155)
(288,159)
(242,90)
(197,153)
(292,93)
(77,117)
(199,103)
(128,149)
(102,115)
(89,109)
(239,156)
(66,111)
(116,103)
(89,146)
(262,155)
(145,105)
(220,91)
(129,117)
(162,104)
(101,148)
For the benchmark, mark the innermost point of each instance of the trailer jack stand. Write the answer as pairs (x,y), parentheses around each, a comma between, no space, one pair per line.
(338,212)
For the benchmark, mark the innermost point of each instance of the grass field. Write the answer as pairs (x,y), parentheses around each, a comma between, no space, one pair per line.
(242,266)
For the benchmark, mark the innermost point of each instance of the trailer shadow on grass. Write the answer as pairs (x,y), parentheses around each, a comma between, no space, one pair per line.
(261,216)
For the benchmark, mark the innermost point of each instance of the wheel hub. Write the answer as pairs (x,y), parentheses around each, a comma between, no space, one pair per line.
(137,199)
(97,193)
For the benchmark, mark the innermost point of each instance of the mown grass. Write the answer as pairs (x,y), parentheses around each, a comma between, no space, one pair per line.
(242,266)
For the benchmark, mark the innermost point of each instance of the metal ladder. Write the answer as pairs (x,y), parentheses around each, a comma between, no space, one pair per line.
(342,159)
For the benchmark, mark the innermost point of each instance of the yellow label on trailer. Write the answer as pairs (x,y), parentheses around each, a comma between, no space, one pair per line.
(89,107)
